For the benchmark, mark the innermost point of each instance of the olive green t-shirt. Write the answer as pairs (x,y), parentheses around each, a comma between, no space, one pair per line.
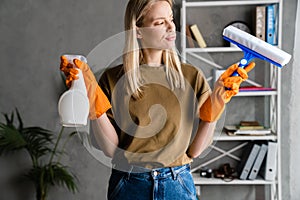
(156,129)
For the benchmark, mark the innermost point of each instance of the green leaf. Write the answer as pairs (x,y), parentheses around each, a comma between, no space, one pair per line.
(61,176)
(38,142)
(10,139)
(19,119)
(53,174)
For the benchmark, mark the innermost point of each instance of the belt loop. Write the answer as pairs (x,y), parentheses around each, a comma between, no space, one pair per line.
(174,175)
(129,172)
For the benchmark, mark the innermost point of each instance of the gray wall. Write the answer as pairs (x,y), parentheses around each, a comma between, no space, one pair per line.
(290,104)
(35,33)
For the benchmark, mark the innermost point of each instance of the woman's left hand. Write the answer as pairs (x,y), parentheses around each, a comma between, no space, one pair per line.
(229,85)
(225,88)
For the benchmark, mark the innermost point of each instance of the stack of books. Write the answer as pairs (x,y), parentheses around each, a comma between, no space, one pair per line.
(258,159)
(247,128)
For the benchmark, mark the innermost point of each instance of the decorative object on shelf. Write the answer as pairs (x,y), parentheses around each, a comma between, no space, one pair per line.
(38,142)
(241,25)
(225,172)
(206,172)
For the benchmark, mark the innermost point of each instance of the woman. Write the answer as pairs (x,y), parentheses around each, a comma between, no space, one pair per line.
(163,112)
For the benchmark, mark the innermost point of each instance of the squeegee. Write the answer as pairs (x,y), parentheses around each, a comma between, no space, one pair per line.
(254,47)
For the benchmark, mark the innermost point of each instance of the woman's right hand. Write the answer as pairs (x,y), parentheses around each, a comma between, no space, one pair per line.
(99,103)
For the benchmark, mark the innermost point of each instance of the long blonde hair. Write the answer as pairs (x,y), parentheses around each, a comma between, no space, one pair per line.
(132,54)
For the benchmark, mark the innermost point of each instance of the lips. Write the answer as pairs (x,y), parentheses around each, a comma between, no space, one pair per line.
(171,37)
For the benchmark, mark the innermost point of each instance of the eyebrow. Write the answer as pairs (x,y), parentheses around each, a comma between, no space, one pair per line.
(158,18)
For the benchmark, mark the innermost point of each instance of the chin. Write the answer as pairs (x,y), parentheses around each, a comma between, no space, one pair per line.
(169,46)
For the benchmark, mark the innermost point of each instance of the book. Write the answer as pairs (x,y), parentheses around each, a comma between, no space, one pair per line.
(258,162)
(189,37)
(234,130)
(248,157)
(259,127)
(269,166)
(260,22)
(250,125)
(255,88)
(271,24)
(198,36)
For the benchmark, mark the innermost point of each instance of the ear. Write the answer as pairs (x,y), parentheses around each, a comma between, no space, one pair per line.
(138,33)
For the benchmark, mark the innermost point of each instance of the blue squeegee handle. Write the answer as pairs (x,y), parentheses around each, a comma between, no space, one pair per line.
(245,61)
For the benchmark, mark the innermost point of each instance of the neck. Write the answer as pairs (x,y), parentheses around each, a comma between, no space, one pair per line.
(152,57)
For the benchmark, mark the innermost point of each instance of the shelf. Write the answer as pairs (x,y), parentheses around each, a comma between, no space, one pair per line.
(213,49)
(228,3)
(225,137)
(217,181)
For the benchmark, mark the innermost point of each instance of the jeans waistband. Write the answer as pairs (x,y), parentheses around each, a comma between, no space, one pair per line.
(156,173)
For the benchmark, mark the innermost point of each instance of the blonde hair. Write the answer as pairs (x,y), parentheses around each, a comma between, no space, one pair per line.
(132,54)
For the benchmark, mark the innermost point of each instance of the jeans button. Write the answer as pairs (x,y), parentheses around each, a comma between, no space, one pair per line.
(155,173)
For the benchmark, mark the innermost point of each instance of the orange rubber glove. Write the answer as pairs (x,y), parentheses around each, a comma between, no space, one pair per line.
(99,103)
(225,88)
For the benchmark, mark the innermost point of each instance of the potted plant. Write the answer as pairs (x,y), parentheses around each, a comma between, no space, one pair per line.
(40,144)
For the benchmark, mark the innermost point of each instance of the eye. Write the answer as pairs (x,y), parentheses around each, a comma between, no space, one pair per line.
(159,23)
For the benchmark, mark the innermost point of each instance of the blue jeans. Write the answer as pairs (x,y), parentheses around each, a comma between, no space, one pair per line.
(169,183)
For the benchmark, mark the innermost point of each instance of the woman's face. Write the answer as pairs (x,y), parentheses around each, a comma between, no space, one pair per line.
(158,30)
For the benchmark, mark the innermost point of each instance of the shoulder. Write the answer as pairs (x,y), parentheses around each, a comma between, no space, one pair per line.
(114,71)
(196,78)
(191,73)
(112,74)
(188,67)
(110,77)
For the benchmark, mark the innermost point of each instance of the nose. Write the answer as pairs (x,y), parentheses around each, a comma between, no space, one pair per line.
(171,25)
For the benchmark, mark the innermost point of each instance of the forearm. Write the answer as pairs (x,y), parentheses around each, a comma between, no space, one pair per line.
(105,135)
(202,139)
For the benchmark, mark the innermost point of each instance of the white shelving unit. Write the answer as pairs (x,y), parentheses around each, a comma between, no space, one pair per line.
(209,181)
(273,103)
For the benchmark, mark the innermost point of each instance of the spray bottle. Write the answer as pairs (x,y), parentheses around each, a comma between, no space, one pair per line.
(73,105)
